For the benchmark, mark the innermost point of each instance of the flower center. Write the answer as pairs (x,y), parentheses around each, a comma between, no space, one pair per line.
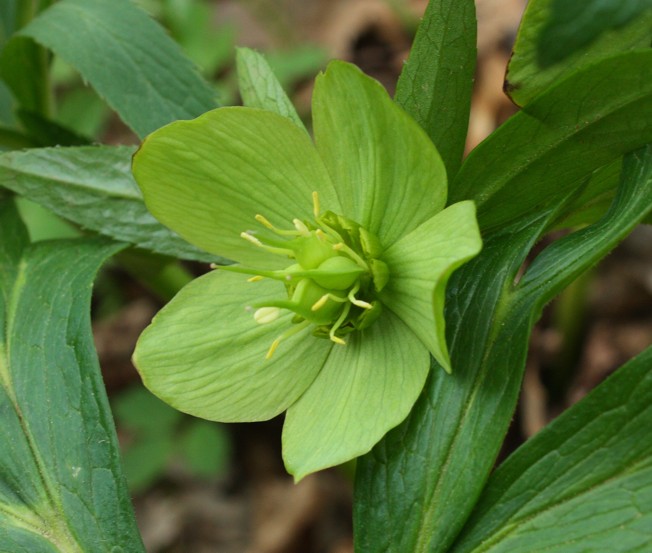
(334,280)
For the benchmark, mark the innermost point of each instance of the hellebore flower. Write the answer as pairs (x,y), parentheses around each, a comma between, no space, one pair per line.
(348,250)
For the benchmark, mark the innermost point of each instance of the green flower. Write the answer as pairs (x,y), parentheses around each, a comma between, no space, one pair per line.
(348,249)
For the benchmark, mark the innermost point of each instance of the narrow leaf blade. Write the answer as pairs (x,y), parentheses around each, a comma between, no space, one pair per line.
(582,484)
(549,148)
(93,187)
(436,83)
(526,77)
(61,485)
(259,87)
(130,69)
(458,424)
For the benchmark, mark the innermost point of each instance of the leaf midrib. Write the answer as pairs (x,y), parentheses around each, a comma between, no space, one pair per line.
(60,535)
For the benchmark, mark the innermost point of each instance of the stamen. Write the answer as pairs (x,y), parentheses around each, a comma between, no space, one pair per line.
(271,249)
(319,303)
(265,222)
(266,315)
(287,334)
(359,303)
(249,238)
(338,323)
(272,348)
(301,227)
(315,204)
(342,247)
(214,266)
(322,301)
(256,278)
(321,235)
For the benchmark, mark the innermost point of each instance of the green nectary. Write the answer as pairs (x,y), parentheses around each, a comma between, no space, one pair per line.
(334,283)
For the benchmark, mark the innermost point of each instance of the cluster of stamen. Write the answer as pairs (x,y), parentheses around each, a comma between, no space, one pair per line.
(333,283)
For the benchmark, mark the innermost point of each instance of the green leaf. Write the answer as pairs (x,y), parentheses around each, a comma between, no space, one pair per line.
(8,19)
(527,77)
(458,425)
(594,198)
(92,187)
(420,265)
(573,26)
(145,460)
(545,151)
(204,354)
(436,83)
(23,68)
(140,411)
(584,483)
(259,87)
(206,448)
(61,486)
(129,69)
(208,178)
(363,390)
(381,162)
(44,132)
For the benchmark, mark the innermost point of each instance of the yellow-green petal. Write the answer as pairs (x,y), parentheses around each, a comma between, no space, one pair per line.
(419,267)
(204,354)
(364,389)
(209,177)
(388,174)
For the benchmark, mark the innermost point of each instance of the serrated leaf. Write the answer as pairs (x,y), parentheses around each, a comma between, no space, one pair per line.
(546,151)
(93,187)
(130,70)
(436,83)
(527,77)
(584,483)
(61,485)
(457,426)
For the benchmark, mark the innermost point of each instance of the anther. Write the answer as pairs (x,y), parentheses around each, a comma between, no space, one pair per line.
(249,238)
(321,235)
(315,204)
(256,278)
(301,227)
(320,303)
(272,348)
(266,315)
(264,221)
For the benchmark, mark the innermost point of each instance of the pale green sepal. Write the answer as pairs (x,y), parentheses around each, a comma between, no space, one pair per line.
(204,354)
(209,177)
(260,88)
(364,389)
(419,267)
(382,163)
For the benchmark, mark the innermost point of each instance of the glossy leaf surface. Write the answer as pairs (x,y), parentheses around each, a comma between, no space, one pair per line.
(545,152)
(61,484)
(436,83)
(92,187)
(458,424)
(527,77)
(582,484)
(130,69)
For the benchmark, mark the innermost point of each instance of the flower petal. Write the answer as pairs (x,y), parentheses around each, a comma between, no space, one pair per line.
(364,389)
(419,267)
(205,355)
(208,178)
(388,174)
